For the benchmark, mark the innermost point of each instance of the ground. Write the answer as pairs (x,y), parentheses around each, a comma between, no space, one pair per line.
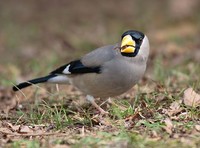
(161,111)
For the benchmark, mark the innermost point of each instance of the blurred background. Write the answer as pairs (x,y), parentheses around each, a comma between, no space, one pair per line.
(37,36)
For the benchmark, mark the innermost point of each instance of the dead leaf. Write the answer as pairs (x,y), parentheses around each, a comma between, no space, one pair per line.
(169,126)
(100,120)
(175,105)
(24,130)
(174,108)
(191,98)
(33,130)
(11,127)
(197,127)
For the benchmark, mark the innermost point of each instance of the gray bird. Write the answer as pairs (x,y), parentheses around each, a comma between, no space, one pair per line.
(106,71)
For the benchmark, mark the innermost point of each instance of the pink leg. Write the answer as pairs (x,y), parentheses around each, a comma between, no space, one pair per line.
(91,100)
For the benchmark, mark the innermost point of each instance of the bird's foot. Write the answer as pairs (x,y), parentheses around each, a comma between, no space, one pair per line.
(91,100)
(102,111)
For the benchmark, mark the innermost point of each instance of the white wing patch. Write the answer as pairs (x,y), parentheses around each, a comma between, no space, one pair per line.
(66,70)
(60,79)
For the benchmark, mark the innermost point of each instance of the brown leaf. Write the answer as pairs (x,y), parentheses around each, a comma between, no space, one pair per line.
(175,105)
(24,130)
(191,98)
(34,130)
(197,127)
(174,108)
(4,130)
(11,127)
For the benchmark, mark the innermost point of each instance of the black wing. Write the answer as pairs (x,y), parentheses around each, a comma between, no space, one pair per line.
(76,67)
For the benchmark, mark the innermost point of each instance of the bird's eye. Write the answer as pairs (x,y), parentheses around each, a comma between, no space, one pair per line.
(140,39)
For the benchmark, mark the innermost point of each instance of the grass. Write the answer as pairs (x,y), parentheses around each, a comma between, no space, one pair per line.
(137,124)
(25,143)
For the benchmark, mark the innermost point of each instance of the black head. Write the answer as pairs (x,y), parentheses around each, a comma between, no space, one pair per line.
(131,42)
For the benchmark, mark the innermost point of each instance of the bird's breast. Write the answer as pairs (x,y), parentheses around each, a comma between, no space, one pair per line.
(115,79)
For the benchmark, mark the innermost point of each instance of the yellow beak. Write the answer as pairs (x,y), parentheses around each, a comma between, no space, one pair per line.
(128,44)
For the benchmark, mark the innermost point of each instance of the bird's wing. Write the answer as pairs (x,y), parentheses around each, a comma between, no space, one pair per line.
(90,63)
(99,56)
(76,67)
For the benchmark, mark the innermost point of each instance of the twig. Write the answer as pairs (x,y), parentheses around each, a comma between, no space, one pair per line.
(34,134)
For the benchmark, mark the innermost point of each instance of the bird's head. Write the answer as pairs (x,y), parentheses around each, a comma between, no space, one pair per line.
(134,43)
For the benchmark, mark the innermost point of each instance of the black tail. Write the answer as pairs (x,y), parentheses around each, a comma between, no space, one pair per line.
(34,81)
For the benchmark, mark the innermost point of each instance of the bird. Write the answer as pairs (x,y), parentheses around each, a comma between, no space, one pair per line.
(105,72)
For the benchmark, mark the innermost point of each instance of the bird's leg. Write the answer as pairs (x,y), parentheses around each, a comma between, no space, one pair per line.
(91,100)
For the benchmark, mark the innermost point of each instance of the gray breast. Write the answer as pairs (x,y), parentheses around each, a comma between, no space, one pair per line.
(117,77)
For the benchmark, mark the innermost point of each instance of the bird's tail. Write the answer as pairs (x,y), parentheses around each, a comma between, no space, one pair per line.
(31,82)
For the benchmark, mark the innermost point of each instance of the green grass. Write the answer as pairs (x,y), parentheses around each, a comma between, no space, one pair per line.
(26,143)
(148,111)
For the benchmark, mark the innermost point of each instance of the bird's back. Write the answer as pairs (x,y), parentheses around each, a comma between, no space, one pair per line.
(99,56)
